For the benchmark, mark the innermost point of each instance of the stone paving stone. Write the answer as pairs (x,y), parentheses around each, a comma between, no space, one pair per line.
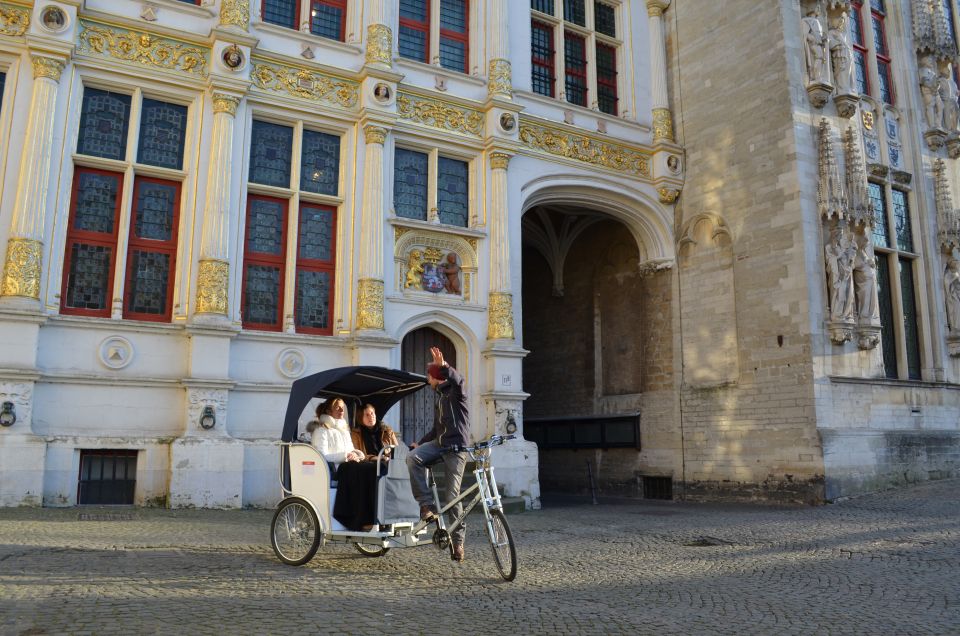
(880,564)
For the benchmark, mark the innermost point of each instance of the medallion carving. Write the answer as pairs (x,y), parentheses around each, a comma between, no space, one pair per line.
(582,148)
(142,48)
(369,303)
(305,84)
(212,285)
(440,115)
(21,272)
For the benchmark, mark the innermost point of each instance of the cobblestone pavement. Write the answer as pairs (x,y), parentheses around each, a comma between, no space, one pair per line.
(879,564)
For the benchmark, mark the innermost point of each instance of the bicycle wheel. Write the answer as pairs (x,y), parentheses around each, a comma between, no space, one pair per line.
(295,531)
(501,542)
(370,550)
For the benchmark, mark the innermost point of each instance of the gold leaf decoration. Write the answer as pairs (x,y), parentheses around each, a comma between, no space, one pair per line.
(212,282)
(305,84)
(13,20)
(440,115)
(142,48)
(500,79)
(235,13)
(21,274)
(370,304)
(379,45)
(582,148)
(500,316)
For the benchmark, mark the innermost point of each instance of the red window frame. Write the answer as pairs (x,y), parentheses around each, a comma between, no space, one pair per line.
(259,258)
(423,27)
(339,4)
(860,49)
(570,71)
(546,63)
(91,238)
(168,247)
(459,37)
(881,19)
(194,2)
(296,14)
(609,83)
(319,265)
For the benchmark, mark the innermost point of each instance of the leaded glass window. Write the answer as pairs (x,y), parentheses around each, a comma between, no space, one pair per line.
(901,219)
(88,280)
(327,18)
(281,12)
(448,45)
(153,249)
(262,296)
(410,184)
(575,11)
(453,197)
(543,58)
(878,202)
(148,284)
(265,226)
(104,117)
(317,227)
(543,6)
(888,339)
(264,262)
(453,35)
(910,331)
(96,201)
(315,269)
(575,54)
(605,16)
(3,86)
(414,30)
(607,79)
(320,163)
(271,147)
(155,211)
(163,128)
(313,299)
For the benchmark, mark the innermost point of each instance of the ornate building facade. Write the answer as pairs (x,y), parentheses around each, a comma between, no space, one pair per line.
(683,249)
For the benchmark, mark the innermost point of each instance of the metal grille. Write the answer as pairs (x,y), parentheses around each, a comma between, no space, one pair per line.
(163,128)
(541,36)
(657,487)
(103,124)
(410,184)
(320,163)
(107,477)
(282,12)
(453,179)
(89,276)
(271,147)
(575,11)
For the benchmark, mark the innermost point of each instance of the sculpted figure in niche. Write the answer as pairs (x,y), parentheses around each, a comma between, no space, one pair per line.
(414,269)
(930,91)
(815,43)
(948,96)
(865,281)
(840,254)
(951,291)
(841,52)
(451,272)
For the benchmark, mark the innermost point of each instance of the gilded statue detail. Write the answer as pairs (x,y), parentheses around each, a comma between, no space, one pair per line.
(142,48)
(305,84)
(583,148)
(440,115)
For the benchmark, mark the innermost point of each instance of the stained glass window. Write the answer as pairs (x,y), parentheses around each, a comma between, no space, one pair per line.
(261,296)
(148,284)
(104,117)
(327,18)
(410,184)
(265,225)
(575,53)
(575,11)
(414,30)
(151,257)
(607,79)
(316,233)
(901,219)
(880,233)
(453,35)
(910,332)
(155,210)
(320,163)
(163,128)
(453,197)
(543,6)
(859,51)
(606,20)
(313,296)
(541,36)
(282,12)
(95,201)
(271,147)
(88,278)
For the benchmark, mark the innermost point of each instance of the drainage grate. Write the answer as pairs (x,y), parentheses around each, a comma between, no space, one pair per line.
(105,516)
(657,487)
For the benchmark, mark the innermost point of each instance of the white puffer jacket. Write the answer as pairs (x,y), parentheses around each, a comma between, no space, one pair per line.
(332,439)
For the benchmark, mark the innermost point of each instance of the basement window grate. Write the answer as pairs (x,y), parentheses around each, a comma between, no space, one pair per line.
(657,487)
(107,477)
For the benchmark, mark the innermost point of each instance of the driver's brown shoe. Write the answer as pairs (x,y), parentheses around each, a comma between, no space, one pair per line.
(457,554)
(427,513)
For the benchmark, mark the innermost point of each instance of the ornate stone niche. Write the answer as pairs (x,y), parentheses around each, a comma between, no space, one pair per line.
(435,266)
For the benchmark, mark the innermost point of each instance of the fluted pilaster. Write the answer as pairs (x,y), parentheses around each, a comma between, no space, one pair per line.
(370,285)
(500,306)
(662,119)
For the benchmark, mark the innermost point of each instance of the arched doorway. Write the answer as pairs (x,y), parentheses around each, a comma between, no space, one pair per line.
(417,410)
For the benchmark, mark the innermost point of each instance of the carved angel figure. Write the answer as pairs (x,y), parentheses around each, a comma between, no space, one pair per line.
(865,282)
(815,47)
(951,291)
(414,269)
(451,272)
(841,52)
(840,253)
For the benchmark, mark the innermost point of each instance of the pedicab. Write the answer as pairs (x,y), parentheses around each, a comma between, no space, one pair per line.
(303,522)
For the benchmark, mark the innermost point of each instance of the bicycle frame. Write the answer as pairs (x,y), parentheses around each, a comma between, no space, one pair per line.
(485,487)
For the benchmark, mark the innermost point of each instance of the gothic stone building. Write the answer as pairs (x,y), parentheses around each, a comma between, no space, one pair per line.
(683,249)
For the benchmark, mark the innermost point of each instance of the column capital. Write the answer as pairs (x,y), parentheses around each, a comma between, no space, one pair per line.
(499,160)
(662,125)
(374,134)
(379,45)
(235,13)
(47,67)
(223,103)
(655,8)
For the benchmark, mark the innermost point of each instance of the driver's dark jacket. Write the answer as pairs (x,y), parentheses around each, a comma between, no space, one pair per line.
(451,424)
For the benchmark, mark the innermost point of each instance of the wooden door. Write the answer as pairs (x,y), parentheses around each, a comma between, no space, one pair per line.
(417,410)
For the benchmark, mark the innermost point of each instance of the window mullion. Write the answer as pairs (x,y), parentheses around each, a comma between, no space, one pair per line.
(123,243)
(305,16)
(433,46)
(593,96)
(866,26)
(293,223)
(433,205)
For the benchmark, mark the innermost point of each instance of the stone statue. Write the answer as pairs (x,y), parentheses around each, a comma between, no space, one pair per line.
(865,282)
(841,52)
(948,96)
(951,291)
(815,47)
(840,254)
(930,91)
(414,269)
(451,272)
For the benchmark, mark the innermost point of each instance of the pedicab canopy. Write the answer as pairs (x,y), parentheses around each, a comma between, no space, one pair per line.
(378,386)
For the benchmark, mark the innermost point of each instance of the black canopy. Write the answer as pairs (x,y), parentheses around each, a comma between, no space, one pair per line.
(379,386)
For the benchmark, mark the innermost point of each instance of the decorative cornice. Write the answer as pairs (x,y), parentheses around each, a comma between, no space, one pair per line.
(304,84)
(143,49)
(500,79)
(14,21)
(499,160)
(213,281)
(379,45)
(225,103)
(235,13)
(21,272)
(374,134)
(442,115)
(47,67)
(369,303)
(579,147)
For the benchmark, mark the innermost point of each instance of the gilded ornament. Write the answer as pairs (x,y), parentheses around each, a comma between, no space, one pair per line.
(47,67)
(499,160)
(213,280)
(225,103)
(472,242)
(374,135)
(379,45)
(305,84)
(500,316)
(867,117)
(21,273)
(655,8)
(668,195)
(13,21)
(399,231)
(662,124)
(439,115)
(586,149)
(235,13)
(142,48)
(370,304)
(500,79)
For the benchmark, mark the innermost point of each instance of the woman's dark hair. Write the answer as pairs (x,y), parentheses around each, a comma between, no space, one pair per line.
(376,422)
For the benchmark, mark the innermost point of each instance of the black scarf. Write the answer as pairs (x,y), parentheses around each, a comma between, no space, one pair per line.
(371,438)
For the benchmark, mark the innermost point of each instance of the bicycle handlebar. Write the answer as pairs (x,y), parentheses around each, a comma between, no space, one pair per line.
(496,440)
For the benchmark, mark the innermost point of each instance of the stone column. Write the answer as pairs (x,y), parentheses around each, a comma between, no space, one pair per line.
(22,268)
(500,307)
(379,51)
(499,74)
(235,13)
(662,120)
(214,276)
(370,285)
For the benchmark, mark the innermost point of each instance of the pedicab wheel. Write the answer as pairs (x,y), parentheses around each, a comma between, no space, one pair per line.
(370,551)
(501,541)
(295,531)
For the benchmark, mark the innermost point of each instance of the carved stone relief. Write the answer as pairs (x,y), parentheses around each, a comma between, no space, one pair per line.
(440,265)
